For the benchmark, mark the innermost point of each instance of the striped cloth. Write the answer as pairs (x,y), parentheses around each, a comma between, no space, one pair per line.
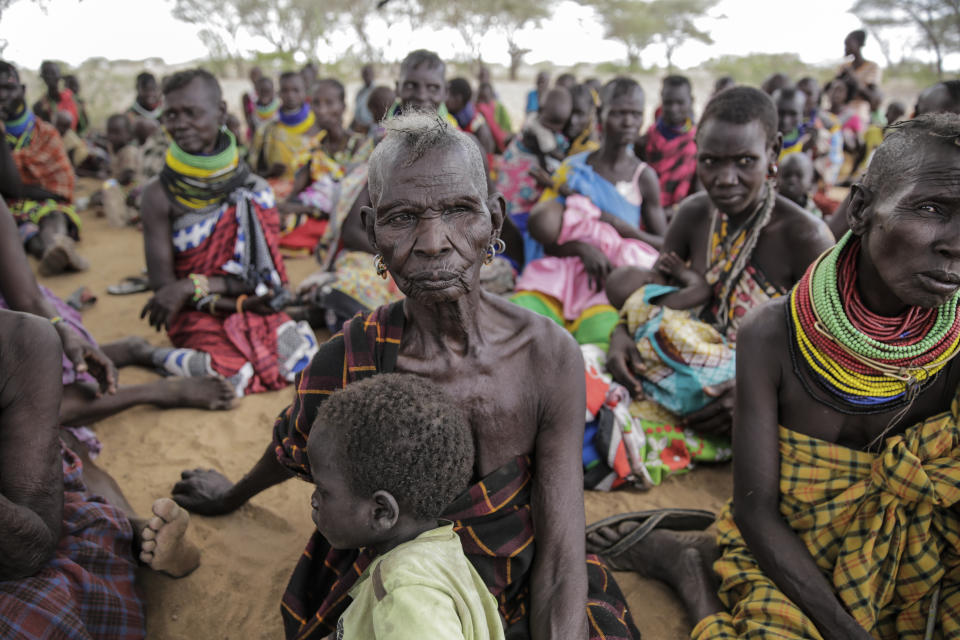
(672,152)
(87,590)
(493,517)
(883,528)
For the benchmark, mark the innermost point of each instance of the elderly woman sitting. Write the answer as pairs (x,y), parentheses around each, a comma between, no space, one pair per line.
(434,224)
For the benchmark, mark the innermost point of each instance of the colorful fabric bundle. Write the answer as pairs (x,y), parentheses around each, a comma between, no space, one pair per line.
(202,183)
(867,363)
(672,152)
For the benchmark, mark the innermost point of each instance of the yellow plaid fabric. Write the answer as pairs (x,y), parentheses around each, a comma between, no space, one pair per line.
(884,529)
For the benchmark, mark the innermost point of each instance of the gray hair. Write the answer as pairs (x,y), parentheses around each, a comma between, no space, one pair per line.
(410,137)
(895,161)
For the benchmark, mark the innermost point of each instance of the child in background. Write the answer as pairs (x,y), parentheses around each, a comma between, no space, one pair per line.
(388,454)
(795,182)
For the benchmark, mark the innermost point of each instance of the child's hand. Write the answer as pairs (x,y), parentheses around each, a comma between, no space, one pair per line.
(671,265)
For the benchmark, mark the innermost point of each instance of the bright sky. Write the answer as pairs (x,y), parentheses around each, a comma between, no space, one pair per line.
(74,31)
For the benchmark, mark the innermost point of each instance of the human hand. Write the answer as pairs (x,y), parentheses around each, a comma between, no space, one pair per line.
(87,358)
(596,264)
(717,417)
(670,264)
(166,303)
(260,304)
(205,492)
(624,362)
(541,176)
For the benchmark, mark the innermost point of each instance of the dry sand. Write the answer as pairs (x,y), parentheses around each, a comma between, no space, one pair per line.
(248,555)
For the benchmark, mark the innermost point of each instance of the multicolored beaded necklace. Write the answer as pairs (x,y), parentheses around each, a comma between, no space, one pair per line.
(868,363)
(20,129)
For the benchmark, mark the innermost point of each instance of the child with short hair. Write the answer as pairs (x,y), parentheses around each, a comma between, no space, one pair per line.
(796,182)
(388,454)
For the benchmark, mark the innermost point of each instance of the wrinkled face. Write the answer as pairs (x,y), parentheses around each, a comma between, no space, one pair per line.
(732,163)
(623,117)
(148,94)
(265,92)
(422,88)
(340,515)
(292,93)
(119,132)
(192,116)
(795,179)
(327,106)
(790,112)
(433,225)
(676,105)
(913,228)
(580,116)
(11,95)
(50,74)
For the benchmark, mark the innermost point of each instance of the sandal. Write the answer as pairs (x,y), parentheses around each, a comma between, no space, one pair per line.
(130,284)
(673,519)
(81,299)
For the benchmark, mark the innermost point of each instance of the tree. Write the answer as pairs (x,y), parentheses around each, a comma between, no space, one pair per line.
(474,20)
(639,24)
(937,22)
(290,26)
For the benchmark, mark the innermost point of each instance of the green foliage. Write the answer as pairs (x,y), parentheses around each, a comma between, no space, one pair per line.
(639,24)
(937,22)
(755,68)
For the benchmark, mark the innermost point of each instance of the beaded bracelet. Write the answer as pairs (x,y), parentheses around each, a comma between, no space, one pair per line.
(202,302)
(213,303)
(240,301)
(201,286)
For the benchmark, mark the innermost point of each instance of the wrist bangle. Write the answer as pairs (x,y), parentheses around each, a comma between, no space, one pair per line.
(240,301)
(214,299)
(55,320)
(201,286)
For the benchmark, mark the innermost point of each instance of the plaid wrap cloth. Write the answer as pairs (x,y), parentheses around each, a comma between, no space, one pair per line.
(883,528)
(44,162)
(87,590)
(493,516)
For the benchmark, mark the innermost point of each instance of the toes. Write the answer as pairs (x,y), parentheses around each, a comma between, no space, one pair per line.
(148,533)
(146,558)
(627,527)
(166,509)
(148,546)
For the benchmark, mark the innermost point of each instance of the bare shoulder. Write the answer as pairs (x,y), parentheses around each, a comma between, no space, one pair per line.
(763,333)
(155,204)
(807,235)
(694,210)
(544,341)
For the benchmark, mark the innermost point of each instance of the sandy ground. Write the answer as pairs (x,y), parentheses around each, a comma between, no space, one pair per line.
(248,555)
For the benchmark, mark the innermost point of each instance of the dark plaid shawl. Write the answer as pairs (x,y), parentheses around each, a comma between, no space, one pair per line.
(87,589)
(493,516)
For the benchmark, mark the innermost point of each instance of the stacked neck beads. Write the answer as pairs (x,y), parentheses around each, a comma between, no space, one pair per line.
(867,361)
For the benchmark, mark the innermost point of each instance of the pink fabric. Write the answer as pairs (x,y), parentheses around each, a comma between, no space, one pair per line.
(565,278)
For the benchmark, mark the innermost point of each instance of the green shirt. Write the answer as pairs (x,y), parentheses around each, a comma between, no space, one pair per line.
(424,588)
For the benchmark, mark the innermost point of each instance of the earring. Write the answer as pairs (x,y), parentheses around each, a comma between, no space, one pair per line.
(380,266)
(489,255)
(499,246)
(772,170)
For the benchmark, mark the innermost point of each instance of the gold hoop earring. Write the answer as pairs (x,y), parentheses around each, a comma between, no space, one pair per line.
(380,266)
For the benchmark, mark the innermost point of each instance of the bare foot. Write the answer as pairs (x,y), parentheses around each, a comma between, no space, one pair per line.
(682,559)
(164,545)
(132,350)
(210,392)
(61,256)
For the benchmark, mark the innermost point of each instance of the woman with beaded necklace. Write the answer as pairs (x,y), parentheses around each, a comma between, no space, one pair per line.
(844,521)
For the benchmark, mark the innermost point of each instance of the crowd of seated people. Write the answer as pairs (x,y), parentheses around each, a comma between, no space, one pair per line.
(520,310)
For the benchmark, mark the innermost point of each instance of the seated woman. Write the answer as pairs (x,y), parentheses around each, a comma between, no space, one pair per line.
(749,244)
(844,517)
(210,232)
(332,154)
(604,212)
